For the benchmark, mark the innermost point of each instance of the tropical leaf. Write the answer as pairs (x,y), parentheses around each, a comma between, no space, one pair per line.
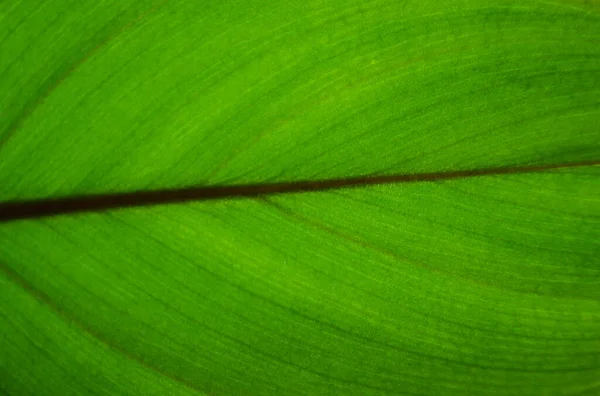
(300,197)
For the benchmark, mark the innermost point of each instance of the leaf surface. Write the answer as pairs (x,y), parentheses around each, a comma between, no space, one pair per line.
(463,286)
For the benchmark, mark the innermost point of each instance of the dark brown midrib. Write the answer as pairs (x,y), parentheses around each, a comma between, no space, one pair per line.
(32,209)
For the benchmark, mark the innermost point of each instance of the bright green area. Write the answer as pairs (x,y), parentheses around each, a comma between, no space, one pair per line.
(483,286)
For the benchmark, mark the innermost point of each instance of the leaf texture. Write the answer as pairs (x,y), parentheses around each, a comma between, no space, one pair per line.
(484,285)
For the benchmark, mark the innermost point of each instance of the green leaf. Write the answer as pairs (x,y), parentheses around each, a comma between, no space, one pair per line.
(463,260)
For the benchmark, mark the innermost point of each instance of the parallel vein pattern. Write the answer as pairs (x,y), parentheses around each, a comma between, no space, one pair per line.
(300,197)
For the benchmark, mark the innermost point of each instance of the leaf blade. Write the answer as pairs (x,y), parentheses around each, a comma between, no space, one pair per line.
(475,286)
